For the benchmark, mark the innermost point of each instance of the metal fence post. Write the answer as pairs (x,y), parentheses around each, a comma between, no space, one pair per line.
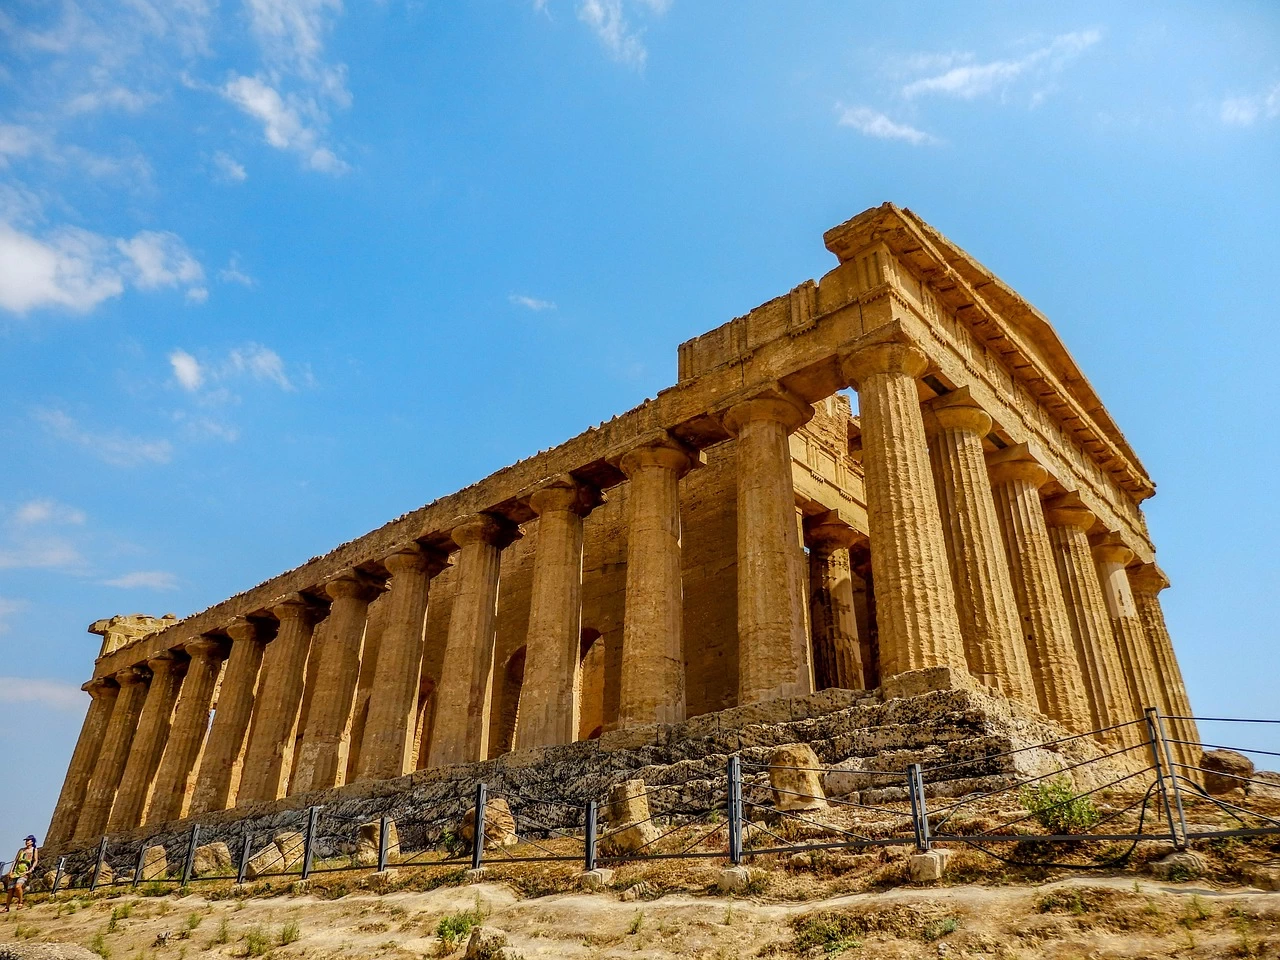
(1173,777)
(246,848)
(190,859)
(477,826)
(919,814)
(734,802)
(383,841)
(1158,753)
(308,842)
(57,876)
(589,857)
(138,867)
(97,868)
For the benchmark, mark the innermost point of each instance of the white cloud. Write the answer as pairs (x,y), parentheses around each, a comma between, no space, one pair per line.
(232,273)
(531,303)
(970,80)
(282,123)
(607,20)
(291,34)
(116,97)
(228,168)
(146,579)
(872,123)
(160,259)
(113,447)
(1245,111)
(40,553)
(72,268)
(17,141)
(261,363)
(51,694)
(186,370)
(7,609)
(47,511)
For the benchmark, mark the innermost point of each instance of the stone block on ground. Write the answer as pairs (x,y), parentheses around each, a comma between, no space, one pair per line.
(1179,865)
(1268,789)
(292,846)
(211,858)
(1228,762)
(105,875)
(795,774)
(45,951)
(929,866)
(155,863)
(499,825)
(369,838)
(1264,876)
(596,879)
(628,827)
(486,943)
(266,861)
(734,880)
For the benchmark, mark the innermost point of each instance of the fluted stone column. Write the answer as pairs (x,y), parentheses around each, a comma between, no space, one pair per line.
(915,600)
(1016,481)
(985,600)
(837,653)
(1110,556)
(219,777)
(190,724)
(387,742)
(114,754)
(66,814)
(773,644)
(461,730)
(269,753)
(321,763)
(1099,658)
(1147,581)
(652,675)
(149,741)
(548,700)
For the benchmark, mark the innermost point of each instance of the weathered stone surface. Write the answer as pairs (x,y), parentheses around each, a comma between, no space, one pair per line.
(1180,865)
(629,827)
(485,943)
(734,880)
(499,825)
(370,837)
(155,863)
(45,951)
(795,775)
(1236,767)
(929,866)
(1269,789)
(292,846)
(211,858)
(597,879)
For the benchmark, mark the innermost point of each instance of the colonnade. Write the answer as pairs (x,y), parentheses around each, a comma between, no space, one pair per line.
(976,580)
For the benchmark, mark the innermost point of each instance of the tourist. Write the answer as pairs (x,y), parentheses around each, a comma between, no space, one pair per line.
(24,864)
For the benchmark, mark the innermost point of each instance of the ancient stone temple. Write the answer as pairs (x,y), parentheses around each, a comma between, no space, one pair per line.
(740,538)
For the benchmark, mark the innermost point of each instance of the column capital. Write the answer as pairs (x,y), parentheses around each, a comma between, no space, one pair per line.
(1148,580)
(138,673)
(351,583)
(898,356)
(415,558)
(166,661)
(777,404)
(98,687)
(242,630)
(826,532)
(1017,463)
(565,494)
(207,649)
(1108,548)
(485,528)
(664,451)
(1068,510)
(956,410)
(293,606)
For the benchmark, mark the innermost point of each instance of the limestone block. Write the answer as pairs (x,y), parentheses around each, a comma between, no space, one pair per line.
(1263,876)
(627,814)
(265,861)
(291,845)
(499,825)
(1270,790)
(155,865)
(1180,865)
(734,880)
(795,774)
(929,866)
(596,879)
(1228,762)
(369,839)
(105,875)
(211,858)
(485,943)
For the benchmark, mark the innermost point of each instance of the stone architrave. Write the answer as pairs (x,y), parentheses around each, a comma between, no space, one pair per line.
(837,653)
(116,744)
(773,644)
(652,680)
(187,735)
(985,600)
(321,763)
(148,742)
(1016,479)
(548,699)
(1109,701)
(915,600)
(387,741)
(461,733)
(1147,581)
(1110,557)
(103,691)
(219,775)
(269,753)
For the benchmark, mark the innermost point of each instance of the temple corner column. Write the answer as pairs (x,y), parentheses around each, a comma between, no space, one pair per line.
(149,742)
(66,813)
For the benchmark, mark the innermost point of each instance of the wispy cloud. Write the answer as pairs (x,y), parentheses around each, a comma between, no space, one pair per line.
(110,98)
(46,552)
(261,363)
(232,273)
(144,579)
(8,608)
(1248,110)
(186,370)
(609,22)
(113,447)
(49,694)
(283,126)
(47,511)
(531,303)
(251,360)
(969,79)
(873,123)
(228,169)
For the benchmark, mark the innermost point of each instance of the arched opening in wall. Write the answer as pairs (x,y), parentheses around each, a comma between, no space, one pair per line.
(590,684)
(425,721)
(509,707)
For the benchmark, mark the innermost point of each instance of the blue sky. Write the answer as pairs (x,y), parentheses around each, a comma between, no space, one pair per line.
(275,271)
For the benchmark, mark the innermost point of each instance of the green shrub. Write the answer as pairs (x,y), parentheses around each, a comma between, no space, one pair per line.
(257,943)
(456,927)
(936,929)
(1056,807)
(289,933)
(99,946)
(828,931)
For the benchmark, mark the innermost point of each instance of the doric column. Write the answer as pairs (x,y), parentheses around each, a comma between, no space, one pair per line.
(915,600)
(1147,581)
(386,745)
(321,763)
(148,742)
(269,753)
(985,601)
(1110,556)
(1096,652)
(219,776)
(114,754)
(190,723)
(837,654)
(773,645)
(652,677)
(548,701)
(461,730)
(1016,480)
(103,691)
